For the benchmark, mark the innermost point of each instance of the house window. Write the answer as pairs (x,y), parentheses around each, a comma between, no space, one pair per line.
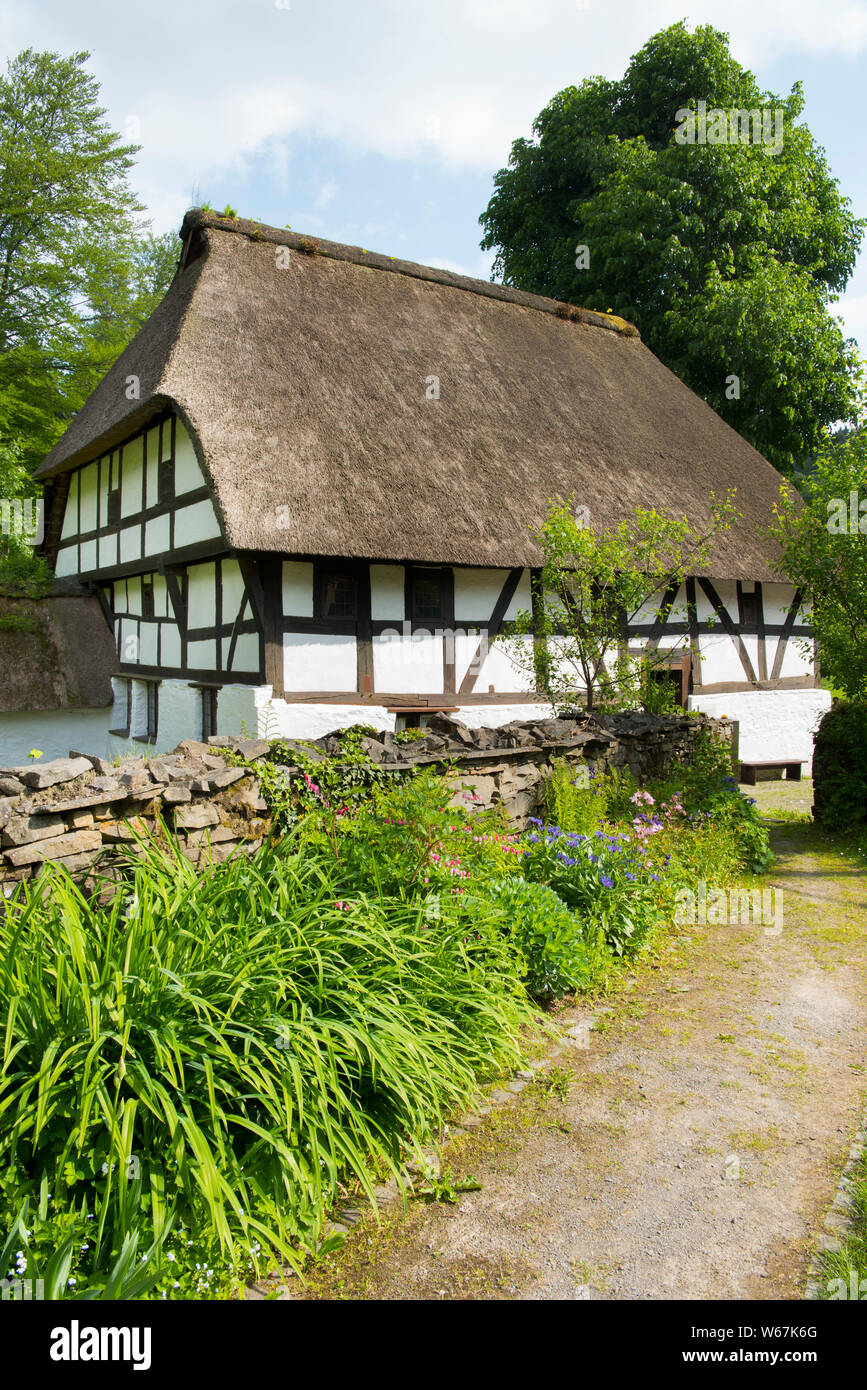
(166,480)
(147,597)
(152,707)
(122,709)
(145,710)
(338,594)
(750,615)
(427,597)
(113,507)
(209,712)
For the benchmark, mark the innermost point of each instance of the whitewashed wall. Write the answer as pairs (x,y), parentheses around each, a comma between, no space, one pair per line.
(54,733)
(774,724)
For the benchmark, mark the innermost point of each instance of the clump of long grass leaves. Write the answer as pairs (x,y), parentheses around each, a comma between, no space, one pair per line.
(223,1050)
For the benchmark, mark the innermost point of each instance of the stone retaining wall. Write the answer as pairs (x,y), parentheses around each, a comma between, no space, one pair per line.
(78,811)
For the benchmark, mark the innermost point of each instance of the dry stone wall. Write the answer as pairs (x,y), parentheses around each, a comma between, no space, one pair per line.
(81,810)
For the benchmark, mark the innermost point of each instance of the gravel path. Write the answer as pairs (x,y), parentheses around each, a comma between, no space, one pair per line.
(694,1144)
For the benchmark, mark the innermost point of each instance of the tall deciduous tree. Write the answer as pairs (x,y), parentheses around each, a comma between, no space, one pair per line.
(77,271)
(726,256)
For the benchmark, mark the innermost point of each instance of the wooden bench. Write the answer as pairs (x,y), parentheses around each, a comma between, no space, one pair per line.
(750,771)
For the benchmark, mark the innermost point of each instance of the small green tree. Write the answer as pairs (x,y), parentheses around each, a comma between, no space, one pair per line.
(824,552)
(592,586)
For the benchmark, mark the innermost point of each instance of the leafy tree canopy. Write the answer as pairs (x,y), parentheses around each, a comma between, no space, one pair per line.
(726,256)
(824,552)
(78,271)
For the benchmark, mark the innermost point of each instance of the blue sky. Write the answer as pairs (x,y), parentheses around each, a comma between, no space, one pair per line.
(384,124)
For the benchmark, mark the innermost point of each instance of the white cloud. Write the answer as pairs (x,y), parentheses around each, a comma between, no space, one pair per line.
(214,82)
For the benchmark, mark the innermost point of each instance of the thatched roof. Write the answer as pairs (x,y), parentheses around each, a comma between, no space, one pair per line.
(55,653)
(304,389)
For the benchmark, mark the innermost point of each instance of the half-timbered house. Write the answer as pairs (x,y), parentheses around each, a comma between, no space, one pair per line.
(304,495)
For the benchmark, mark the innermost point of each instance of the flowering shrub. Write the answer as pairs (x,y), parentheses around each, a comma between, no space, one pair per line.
(605,879)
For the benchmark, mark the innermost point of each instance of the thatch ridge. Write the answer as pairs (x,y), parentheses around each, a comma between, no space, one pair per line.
(196,220)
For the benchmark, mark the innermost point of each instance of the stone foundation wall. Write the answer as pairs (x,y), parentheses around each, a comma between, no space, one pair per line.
(79,811)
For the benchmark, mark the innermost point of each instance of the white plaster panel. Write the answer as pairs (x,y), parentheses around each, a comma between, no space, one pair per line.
(476,593)
(751,647)
(202,656)
(196,523)
(202,595)
(119,599)
(108,550)
(157,535)
(133,593)
(497,667)
(798,658)
(148,644)
(170,645)
(649,609)
(128,641)
(774,724)
(188,474)
(67,561)
(131,477)
(728,592)
(104,469)
(324,661)
(297,589)
(152,448)
(87,557)
(130,543)
(233,589)
(161,596)
(70,515)
(246,652)
(411,664)
(89,484)
(719,659)
(776,599)
(387,598)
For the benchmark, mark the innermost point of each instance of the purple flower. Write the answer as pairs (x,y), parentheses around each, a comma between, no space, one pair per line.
(606,881)
(566,859)
(630,877)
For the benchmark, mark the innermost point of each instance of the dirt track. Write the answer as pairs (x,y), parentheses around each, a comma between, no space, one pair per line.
(700,1140)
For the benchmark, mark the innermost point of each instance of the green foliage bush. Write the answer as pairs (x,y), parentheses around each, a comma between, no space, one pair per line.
(581,798)
(840,768)
(225,1049)
(560,953)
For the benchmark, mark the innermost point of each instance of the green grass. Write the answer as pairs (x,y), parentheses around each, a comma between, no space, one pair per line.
(849,1265)
(207,1063)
